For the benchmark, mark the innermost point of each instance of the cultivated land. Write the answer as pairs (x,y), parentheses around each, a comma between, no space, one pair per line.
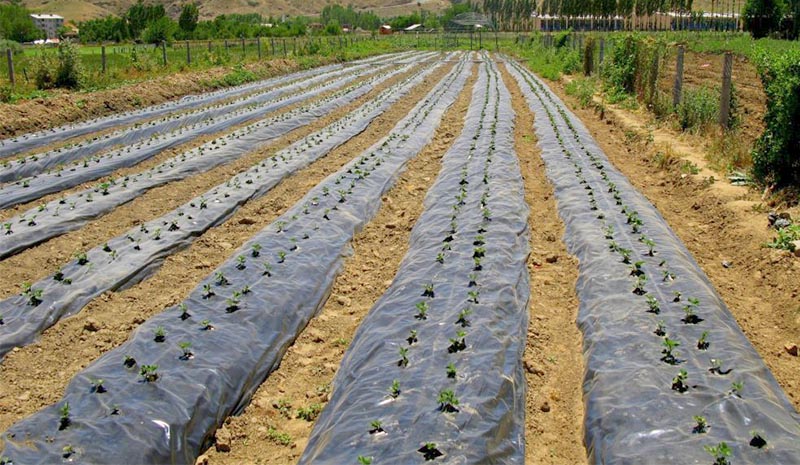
(414,256)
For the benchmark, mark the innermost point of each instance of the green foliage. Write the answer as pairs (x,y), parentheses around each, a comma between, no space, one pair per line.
(786,237)
(348,16)
(108,29)
(60,69)
(699,108)
(160,30)
(619,72)
(16,24)
(762,17)
(776,156)
(139,16)
(190,14)
(15,47)
(581,88)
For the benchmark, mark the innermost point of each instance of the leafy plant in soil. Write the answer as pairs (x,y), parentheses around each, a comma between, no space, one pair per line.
(185,315)
(462,317)
(241,262)
(636,268)
(689,310)
(149,373)
(375,427)
(160,334)
(429,451)
(736,388)
(757,440)
(422,311)
(670,355)
(363,460)
(660,329)
(679,382)
(255,250)
(98,387)
(394,390)
(716,367)
(652,304)
(309,413)
(129,361)
(448,402)
(457,343)
(232,304)
(428,292)
(206,325)
(720,452)
(638,288)
(186,350)
(702,342)
(403,362)
(64,420)
(82,259)
(34,296)
(207,291)
(67,451)
(701,425)
(451,370)
(220,279)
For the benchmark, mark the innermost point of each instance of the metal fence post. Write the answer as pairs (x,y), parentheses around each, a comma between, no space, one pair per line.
(677,89)
(10,57)
(725,103)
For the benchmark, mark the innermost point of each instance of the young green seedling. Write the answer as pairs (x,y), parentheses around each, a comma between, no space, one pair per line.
(428,291)
(422,311)
(702,342)
(149,373)
(64,420)
(184,311)
(451,370)
(241,262)
(403,362)
(412,337)
(98,387)
(660,329)
(429,451)
(267,270)
(220,279)
(448,402)
(309,413)
(232,304)
(160,334)
(652,304)
(186,350)
(281,256)
(206,325)
(67,451)
(626,254)
(255,250)
(472,296)
(701,426)
(82,259)
(736,388)
(462,317)
(638,288)
(457,343)
(716,367)
(129,361)
(207,291)
(757,439)
(720,452)
(679,382)
(670,355)
(375,426)
(364,460)
(636,268)
(394,390)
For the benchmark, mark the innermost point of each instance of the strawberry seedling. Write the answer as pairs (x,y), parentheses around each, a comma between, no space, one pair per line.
(98,387)
(652,304)
(679,382)
(448,402)
(64,420)
(412,337)
(700,426)
(720,452)
(422,311)
(457,343)
(186,350)
(394,390)
(429,451)
(463,319)
(184,312)
(451,370)
(403,362)
(149,373)
(757,440)
(160,334)
(375,427)
(670,355)
(702,342)
(428,291)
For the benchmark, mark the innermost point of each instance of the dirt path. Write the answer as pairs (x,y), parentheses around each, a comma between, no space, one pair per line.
(718,223)
(307,370)
(36,375)
(44,259)
(553,356)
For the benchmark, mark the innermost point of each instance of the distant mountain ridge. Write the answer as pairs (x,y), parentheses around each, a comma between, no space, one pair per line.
(81,10)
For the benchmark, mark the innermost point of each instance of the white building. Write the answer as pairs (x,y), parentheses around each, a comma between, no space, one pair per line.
(49,24)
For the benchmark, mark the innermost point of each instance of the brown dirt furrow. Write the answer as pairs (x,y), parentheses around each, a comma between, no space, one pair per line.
(761,286)
(36,375)
(553,356)
(162,156)
(40,261)
(308,368)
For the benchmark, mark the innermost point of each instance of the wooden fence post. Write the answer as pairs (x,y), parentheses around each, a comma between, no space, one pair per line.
(209,46)
(677,89)
(284,46)
(103,57)
(602,51)
(164,51)
(725,103)
(188,53)
(258,44)
(244,50)
(10,58)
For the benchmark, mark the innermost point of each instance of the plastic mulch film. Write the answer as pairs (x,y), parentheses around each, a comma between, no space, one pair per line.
(161,402)
(172,125)
(25,142)
(92,168)
(134,255)
(670,375)
(72,211)
(434,372)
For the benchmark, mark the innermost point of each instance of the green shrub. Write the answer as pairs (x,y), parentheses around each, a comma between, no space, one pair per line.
(619,72)
(44,67)
(69,73)
(588,56)
(776,156)
(582,89)
(698,109)
(15,47)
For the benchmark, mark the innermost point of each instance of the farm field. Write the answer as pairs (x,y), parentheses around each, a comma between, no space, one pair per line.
(417,256)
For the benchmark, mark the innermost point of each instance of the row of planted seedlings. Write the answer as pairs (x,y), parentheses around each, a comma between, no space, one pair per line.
(160,396)
(434,372)
(70,212)
(97,166)
(31,141)
(131,257)
(172,126)
(668,369)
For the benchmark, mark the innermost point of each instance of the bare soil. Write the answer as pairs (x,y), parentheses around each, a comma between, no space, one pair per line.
(36,375)
(718,222)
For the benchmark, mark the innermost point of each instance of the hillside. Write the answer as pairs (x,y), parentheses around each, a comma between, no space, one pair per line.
(80,10)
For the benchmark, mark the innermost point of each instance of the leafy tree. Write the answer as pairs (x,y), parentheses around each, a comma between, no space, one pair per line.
(189,17)
(16,24)
(762,17)
(160,30)
(140,16)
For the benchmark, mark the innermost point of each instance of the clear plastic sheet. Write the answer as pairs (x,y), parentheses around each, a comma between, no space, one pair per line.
(255,315)
(638,410)
(466,266)
(133,256)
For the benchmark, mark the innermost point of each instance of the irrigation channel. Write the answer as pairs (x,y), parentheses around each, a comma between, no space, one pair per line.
(434,371)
